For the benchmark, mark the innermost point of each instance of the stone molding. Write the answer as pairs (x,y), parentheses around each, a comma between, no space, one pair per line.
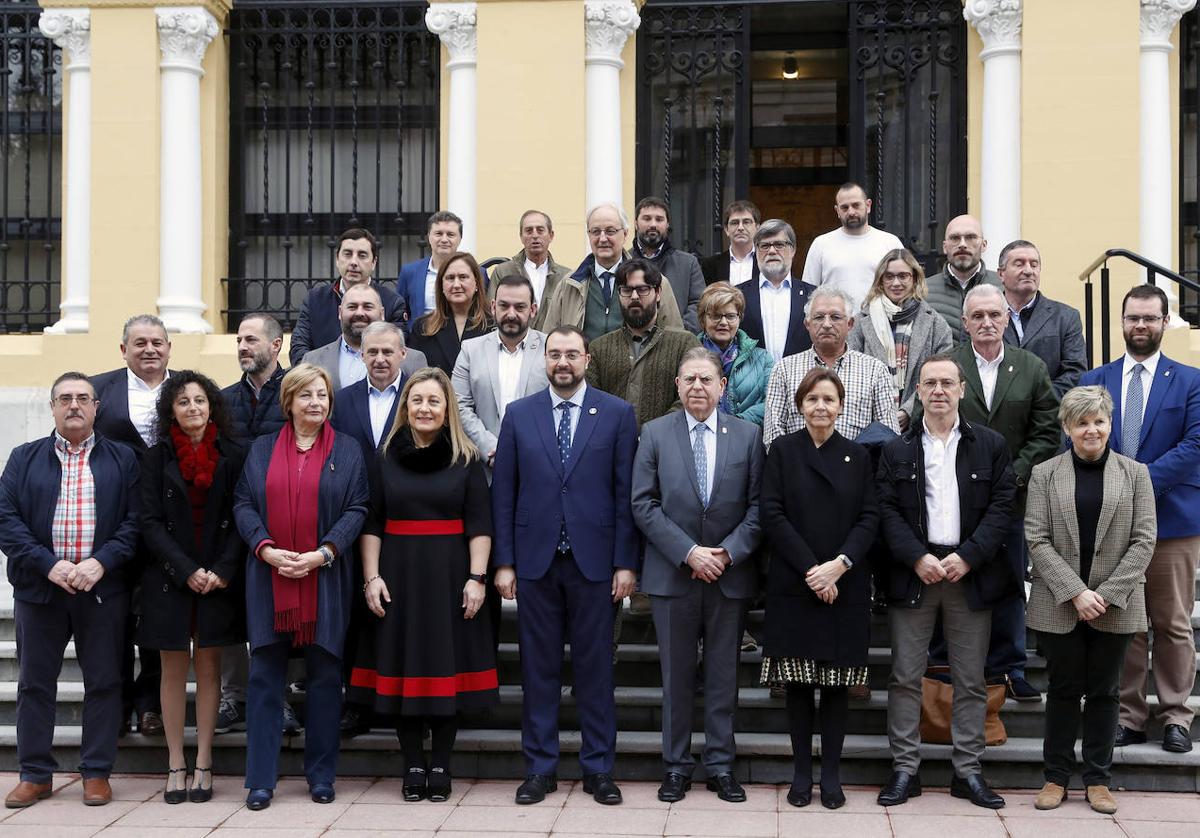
(184,33)
(607,26)
(1158,20)
(998,23)
(71,31)
(455,25)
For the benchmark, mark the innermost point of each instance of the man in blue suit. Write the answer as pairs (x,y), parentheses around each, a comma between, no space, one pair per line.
(565,534)
(417,283)
(1156,420)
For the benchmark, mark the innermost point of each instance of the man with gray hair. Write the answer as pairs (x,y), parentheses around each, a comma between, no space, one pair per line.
(587,299)
(870,392)
(774,314)
(533,261)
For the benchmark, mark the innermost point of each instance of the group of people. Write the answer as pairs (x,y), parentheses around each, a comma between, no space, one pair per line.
(861,437)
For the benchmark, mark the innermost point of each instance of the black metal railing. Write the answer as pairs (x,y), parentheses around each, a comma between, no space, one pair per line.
(334,116)
(30,170)
(1153,271)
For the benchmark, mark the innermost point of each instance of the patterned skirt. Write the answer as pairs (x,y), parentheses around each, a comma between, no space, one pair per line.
(782,671)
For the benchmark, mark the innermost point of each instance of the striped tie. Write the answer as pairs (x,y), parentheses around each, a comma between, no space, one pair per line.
(701,457)
(1131,422)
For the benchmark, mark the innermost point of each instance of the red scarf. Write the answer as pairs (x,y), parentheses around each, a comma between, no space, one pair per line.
(292,503)
(197,463)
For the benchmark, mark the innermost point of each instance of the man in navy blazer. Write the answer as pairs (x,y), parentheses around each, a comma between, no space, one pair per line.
(1156,421)
(68,525)
(417,282)
(367,408)
(775,300)
(565,537)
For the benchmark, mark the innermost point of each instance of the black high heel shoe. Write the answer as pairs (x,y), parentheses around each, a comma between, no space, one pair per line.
(200,793)
(414,785)
(833,798)
(438,787)
(800,795)
(173,795)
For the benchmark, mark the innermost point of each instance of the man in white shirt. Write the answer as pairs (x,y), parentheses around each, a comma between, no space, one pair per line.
(533,261)
(846,258)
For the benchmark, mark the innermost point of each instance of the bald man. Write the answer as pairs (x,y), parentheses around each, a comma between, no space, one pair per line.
(963,245)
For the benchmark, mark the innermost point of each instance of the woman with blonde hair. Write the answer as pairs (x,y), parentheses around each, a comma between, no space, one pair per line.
(428,655)
(460,312)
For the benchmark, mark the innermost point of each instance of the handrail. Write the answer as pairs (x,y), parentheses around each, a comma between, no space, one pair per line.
(1157,269)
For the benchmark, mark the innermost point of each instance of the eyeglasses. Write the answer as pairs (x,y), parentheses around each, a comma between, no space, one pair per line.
(831,318)
(740,222)
(959,238)
(626,292)
(903,276)
(1148,319)
(724,318)
(571,356)
(66,398)
(777,245)
(597,232)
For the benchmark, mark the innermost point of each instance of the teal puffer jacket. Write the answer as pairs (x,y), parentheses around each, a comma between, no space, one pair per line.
(746,391)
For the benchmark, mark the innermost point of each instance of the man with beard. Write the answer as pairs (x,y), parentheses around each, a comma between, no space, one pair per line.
(775,301)
(963,245)
(534,262)
(652,221)
(356,258)
(736,264)
(1156,420)
(253,401)
(638,361)
(846,257)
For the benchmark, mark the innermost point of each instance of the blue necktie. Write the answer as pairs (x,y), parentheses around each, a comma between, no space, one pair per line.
(564,454)
(700,455)
(1131,422)
(607,277)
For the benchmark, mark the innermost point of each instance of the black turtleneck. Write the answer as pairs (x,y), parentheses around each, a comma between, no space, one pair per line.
(1089,497)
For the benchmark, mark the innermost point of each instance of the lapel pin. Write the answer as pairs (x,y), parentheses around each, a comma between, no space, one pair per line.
(724,430)
(1166,373)
(1010,368)
(592,411)
(847,458)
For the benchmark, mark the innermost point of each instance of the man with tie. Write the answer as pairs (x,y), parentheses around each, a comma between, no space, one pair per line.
(699,514)
(775,300)
(1156,420)
(566,547)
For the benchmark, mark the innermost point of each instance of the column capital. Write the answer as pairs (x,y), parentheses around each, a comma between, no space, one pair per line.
(71,31)
(1158,21)
(455,25)
(607,26)
(184,33)
(998,23)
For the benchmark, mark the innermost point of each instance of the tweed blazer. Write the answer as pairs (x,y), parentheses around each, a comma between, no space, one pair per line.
(1125,536)
(930,335)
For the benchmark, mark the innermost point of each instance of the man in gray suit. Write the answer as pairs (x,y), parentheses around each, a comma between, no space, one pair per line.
(342,358)
(695,498)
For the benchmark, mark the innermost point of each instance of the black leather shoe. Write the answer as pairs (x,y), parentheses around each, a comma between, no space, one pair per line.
(833,798)
(353,723)
(602,789)
(899,789)
(150,724)
(535,788)
(975,789)
(414,787)
(800,795)
(1128,736)
(727,788)
(1176,739)
(1018,689)
(438,788)
(674,787)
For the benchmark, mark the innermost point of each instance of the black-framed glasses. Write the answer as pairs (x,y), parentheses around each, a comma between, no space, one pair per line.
(767,247)
(1148,319)
(627,291)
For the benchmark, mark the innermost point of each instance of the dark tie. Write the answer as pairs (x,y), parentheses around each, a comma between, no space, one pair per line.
(1131,422)
(606,287)
(564,454)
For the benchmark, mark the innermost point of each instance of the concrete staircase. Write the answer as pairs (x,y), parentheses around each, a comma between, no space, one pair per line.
(489,744)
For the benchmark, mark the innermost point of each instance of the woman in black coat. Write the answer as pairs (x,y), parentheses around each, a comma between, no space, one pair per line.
(819,517)
(192,602)
(460,312)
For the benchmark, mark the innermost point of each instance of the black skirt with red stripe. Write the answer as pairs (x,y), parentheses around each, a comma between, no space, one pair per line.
(423,657)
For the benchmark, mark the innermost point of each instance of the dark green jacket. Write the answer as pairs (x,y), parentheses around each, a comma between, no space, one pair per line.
(647,383)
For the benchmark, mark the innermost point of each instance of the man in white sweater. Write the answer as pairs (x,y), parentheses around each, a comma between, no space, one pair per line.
(846,257)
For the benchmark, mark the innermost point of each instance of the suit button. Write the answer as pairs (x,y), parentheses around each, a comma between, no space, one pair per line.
(170,493)
(166,589)
(564,490)
(973,477)
(167,567)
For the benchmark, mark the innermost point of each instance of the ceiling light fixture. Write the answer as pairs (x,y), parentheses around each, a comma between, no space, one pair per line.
(791,67)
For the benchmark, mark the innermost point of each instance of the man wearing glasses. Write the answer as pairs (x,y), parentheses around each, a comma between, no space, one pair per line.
(774,313)
(963,245)
(1156,421)
(736,264)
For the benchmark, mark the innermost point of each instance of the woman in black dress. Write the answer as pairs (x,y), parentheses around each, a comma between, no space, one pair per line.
(192,603)
(460,312)
(819,517)
(428,654)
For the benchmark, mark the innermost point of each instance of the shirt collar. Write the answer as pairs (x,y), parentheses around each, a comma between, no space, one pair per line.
(136,383)
(766,283)
(394,386)
(733,259)
(61,443)
(577,399)
(952,277)
(954,431)
(1032,302)
(597,269)
(357,353)
(520,346)
(1151,364)
(710,422)
(984,363)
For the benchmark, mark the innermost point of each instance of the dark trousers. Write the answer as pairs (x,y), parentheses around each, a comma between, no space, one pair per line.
(1083,664)
(565,605)
(264,714)
(98,626)
(140,693)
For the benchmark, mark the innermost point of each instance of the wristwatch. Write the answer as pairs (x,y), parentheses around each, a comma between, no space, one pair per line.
(326,554)
(844,559)
(481,578)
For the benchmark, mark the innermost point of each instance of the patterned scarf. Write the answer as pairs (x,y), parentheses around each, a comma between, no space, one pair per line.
(893,326)
(728,356)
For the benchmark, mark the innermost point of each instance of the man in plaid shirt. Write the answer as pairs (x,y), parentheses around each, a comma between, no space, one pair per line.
(870,392)
(68,523)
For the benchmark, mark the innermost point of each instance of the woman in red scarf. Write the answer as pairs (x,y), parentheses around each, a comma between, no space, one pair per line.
(299,506)
(191,591)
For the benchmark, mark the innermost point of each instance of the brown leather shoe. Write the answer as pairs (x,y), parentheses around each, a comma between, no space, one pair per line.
(1050,797)
(150,724)
(96,791)
(26,794)
(1101,800)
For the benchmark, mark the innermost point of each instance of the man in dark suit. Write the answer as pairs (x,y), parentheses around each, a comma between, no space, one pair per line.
(417,282)
(1047,328)
(127,399)
(736,264)
(357,257)
(775,301)
(68,526)
(1156,420)
(696,479)
(565,535)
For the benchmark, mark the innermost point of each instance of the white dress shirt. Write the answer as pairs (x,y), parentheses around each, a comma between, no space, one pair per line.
(988,372)
(776,306)
(351,368)
(1149,367)
(143,401)
(576,400)
(430,287)
(941,486)
(379,405)
(741,270)
(509,368)
(537,276)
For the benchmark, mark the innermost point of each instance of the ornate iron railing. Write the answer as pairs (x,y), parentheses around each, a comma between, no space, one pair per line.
(334,124)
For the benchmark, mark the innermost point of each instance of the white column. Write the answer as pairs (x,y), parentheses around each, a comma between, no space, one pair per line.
(998,23)
(607,25)
(71,30)
(184,33)
(454,24)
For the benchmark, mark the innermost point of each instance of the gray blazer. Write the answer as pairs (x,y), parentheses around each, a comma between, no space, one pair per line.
(326,357)
(668,511)
(1054,334)
(476,382)
(930,335)
(1125,538)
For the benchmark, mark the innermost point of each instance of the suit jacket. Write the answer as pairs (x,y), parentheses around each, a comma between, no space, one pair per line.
(797,334)
(476,382)
(1054,334)
(716,268)
(326,357)
(112,415)
(516,267)
(28,497)
(669,512)
(352,414)
(318,322)
(1125,537)
(1170,439)
(442,347)
(533,493)
(410,285)
(930,335)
